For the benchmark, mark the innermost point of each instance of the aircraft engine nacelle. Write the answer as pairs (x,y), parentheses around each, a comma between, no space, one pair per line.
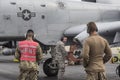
(107,30)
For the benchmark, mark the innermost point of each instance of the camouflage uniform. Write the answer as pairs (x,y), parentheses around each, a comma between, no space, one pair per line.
(29,69)
(96,52)
(60,54)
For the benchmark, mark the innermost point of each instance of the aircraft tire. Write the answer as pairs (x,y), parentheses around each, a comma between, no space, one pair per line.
(48,70)
(118,70)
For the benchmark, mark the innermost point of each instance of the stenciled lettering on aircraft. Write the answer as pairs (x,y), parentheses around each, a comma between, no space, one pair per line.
(26,14)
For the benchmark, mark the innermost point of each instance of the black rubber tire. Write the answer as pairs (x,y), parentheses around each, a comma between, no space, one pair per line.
(118,70)
(47,70)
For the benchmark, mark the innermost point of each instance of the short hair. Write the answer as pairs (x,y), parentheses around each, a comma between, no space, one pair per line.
(91,27)
(62,38)
(29,31)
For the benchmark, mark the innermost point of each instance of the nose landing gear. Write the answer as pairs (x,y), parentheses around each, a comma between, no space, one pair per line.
(49,68)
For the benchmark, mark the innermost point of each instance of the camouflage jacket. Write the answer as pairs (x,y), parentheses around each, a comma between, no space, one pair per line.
(60,52)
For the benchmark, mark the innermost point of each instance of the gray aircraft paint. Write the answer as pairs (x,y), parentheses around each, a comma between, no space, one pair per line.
(50,18)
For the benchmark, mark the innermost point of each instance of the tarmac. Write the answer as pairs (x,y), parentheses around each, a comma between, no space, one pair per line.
(9,71)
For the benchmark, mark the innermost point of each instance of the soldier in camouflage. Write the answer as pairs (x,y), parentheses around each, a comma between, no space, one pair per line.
(29,53)
(60,54)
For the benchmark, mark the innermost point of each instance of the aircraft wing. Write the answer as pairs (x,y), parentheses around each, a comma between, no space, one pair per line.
(109,30)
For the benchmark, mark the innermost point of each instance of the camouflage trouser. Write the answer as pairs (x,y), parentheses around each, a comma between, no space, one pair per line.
(96,76)
(28,75)
(61,65)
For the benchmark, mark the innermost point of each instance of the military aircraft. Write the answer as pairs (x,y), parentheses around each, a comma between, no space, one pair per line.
(51,19)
